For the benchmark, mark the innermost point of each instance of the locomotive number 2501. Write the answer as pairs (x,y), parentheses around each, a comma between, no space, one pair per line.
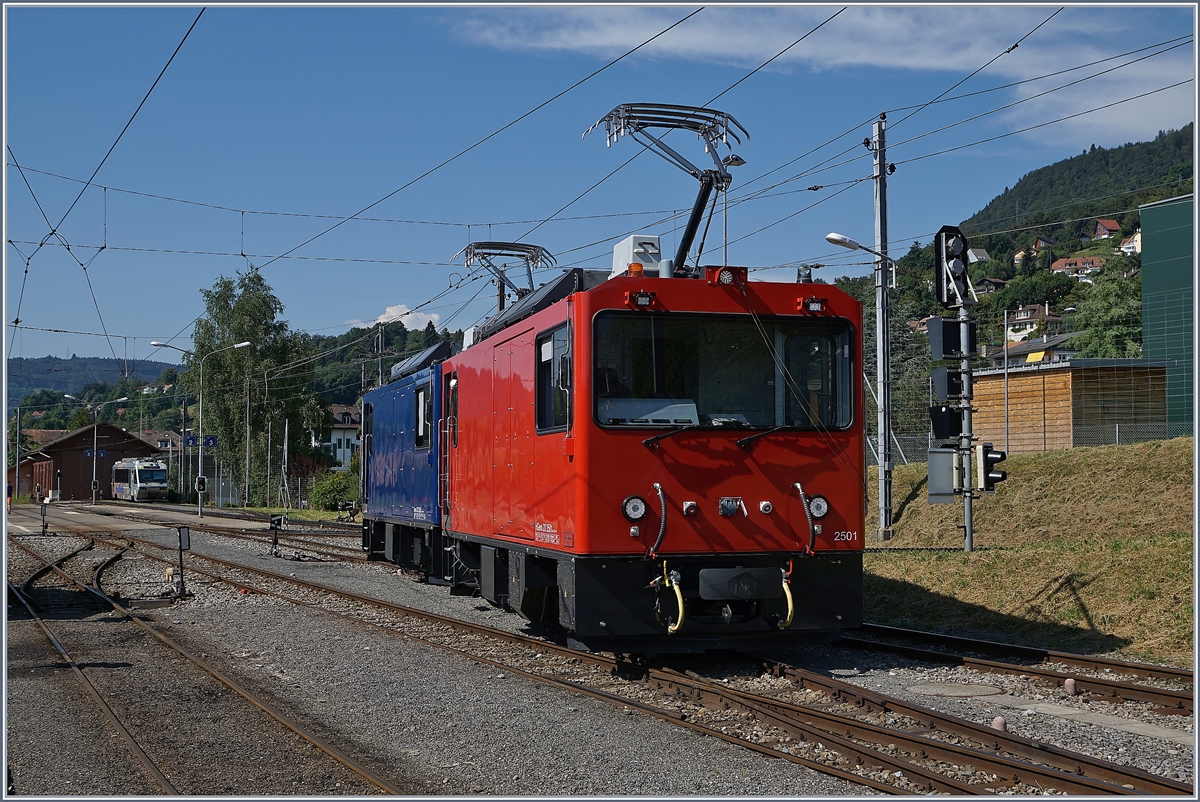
(850,536)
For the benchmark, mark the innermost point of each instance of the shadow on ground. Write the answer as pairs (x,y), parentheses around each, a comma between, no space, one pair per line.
(905,604)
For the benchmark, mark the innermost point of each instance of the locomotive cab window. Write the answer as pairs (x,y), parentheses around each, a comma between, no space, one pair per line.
(553,380)
(722,371)
(424,412)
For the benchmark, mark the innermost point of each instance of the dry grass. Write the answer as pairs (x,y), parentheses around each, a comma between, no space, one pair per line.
(1087,549)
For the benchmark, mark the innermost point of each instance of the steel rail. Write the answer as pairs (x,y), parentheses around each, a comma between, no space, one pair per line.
(526,642)
(328,549)
(783,714)
(133,745)
(27,585)
(267,708)
(241,515)
(1033,653)
(100,568)
(993,739)
(1071,777)
(1166,697)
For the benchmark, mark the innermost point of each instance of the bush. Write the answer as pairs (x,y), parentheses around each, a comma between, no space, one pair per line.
(334,488)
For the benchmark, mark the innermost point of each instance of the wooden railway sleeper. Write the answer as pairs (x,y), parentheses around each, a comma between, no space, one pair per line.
(1007,742)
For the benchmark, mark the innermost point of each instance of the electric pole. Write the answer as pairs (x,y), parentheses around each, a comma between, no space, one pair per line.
(883,341)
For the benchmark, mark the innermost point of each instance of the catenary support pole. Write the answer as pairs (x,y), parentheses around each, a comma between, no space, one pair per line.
(883,346)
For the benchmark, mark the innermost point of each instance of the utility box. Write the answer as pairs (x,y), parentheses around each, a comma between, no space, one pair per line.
(640,249)
(943,475)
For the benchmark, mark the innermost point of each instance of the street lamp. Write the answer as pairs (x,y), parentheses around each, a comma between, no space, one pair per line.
(95,428)
(883,377)
(200,417)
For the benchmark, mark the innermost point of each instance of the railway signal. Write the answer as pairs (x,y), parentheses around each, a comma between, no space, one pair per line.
(201,483)
(955,338)
(986,474)
(950,250)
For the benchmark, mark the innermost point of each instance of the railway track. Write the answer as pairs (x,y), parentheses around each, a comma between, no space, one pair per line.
(1177,700)
(925,752)
(94,591)
(349,528)
(127,738)
(301,545)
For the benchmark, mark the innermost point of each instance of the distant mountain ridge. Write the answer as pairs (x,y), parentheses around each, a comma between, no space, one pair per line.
(1067,196)
(28,375)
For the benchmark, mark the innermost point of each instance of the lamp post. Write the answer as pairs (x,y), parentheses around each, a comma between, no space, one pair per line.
(95,429)
(883,377)
(200,417)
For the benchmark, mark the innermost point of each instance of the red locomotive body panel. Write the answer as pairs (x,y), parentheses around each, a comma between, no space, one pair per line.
(510,482)
(734,410)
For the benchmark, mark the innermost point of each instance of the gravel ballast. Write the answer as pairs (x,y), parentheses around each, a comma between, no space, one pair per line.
(448,725)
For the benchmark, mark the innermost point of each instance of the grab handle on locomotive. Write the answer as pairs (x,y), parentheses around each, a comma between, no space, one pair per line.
(810,550)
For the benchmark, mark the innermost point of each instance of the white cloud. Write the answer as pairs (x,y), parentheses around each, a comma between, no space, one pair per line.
(956,39)
(411,320)
(944,39)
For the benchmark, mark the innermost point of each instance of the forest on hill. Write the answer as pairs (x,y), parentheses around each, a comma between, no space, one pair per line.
(27,375)
(1063,199)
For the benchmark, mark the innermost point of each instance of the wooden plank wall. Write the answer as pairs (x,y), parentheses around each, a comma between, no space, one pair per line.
(1040,410)
(1134,398)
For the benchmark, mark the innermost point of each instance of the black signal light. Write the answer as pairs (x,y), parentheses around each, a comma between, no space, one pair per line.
(987,476)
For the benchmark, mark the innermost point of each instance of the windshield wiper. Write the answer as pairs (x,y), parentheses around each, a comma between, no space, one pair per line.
(745,442)
(652,442)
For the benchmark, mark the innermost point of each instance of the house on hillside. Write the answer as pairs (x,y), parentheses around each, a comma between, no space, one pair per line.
(986,285)
(1131,245)
(1026,319)
(1106,229)
(344,437)
(1019,256)
(921,326)
(1078,266)
(40,437)
(1045,349)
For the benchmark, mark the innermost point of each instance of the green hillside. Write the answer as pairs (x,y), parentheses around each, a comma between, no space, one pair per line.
(1088,549)
(27,375)
(1066,196)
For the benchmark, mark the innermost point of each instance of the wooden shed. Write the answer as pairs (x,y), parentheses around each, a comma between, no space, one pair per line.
(73,455)
(1081,402)
(35,469)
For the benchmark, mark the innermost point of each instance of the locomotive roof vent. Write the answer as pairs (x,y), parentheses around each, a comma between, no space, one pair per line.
(640,253)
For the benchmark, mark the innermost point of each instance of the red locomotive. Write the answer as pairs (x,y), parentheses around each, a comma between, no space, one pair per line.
(650,461)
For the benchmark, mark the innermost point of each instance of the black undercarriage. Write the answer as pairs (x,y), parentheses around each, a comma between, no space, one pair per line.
(626,603)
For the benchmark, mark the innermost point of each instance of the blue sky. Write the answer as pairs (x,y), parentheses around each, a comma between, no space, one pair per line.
(269,116)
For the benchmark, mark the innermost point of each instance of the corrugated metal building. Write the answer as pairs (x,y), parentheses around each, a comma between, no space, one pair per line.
(1168,292)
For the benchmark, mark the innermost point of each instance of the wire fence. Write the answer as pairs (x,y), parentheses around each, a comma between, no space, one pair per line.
(1124,380)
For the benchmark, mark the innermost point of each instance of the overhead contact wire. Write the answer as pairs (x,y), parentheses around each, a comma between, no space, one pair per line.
(490,136)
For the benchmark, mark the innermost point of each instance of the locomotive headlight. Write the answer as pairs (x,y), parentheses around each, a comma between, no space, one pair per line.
(634,508)
(818,506)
